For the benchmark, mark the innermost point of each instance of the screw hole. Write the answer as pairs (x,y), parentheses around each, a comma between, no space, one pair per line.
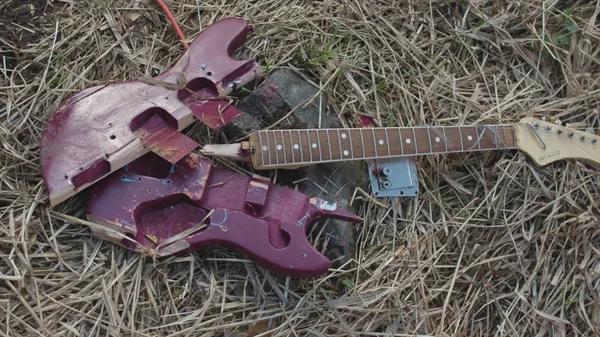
(571,134)
(112,137)
(66,176)
(582,138)
(209,73)
(139,179)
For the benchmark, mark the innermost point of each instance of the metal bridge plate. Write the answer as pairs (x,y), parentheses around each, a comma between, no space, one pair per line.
(394,177)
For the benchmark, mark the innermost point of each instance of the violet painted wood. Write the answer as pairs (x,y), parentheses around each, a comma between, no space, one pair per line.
(93,132)
(152,201)
(167,142)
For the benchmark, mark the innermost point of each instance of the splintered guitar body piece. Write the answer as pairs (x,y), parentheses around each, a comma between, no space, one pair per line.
(102,128)
(160,209)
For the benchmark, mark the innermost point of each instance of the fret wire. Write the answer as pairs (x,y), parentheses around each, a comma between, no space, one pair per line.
(262,153)
(478,139)
(329,143)
(509,138)
(283,144)
(387,136)
(319,142)
(401,141)
(445,138)
(415,140)
(497,137)
(275,141)
(340,141)
(268,147)
(350,140)
(462,146)
(429,136)
(292,146)
(362,141)
(374,141)
(309,145)
(301,153)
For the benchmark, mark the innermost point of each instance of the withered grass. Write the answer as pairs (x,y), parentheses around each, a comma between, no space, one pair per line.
(492,246)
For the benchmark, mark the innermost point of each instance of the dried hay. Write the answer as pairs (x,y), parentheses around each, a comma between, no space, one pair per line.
(493,246)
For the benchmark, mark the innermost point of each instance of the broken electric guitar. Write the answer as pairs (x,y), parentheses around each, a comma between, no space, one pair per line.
(149,192)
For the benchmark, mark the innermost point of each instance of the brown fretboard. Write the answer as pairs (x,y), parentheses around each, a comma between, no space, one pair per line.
(292,148)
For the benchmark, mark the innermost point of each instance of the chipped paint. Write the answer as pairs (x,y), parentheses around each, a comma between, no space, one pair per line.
(127,179)
(302,221)
(212,223)
(326,205)
(259,184)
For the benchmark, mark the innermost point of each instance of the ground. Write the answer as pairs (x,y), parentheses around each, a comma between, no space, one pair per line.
(492,246)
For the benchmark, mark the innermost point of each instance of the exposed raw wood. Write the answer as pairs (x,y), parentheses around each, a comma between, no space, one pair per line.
(233,151)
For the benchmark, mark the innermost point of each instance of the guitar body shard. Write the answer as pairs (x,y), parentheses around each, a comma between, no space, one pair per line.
(161,209)
(102,128)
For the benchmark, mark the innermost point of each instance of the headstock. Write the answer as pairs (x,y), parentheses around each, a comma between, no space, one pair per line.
(546,142)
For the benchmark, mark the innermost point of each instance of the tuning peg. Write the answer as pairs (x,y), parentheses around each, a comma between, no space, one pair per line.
(543,118)
(557,121)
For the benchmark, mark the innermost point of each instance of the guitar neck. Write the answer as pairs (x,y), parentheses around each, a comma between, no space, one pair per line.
(272,149)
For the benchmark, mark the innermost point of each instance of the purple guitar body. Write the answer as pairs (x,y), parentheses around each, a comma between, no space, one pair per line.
(152,201)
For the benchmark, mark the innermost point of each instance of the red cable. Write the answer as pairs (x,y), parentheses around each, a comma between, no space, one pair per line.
(173,22)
